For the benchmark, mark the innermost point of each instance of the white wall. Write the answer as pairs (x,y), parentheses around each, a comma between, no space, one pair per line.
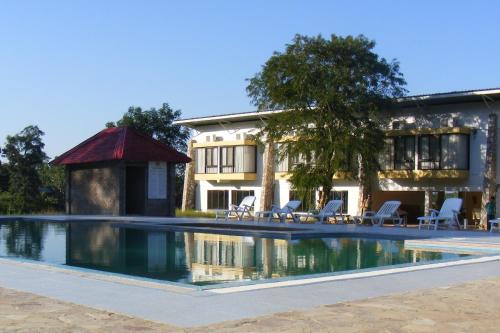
(474,115)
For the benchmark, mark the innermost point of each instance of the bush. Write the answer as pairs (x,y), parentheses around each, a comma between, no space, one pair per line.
(193,213)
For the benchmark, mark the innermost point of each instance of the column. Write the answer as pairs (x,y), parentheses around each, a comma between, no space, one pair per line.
(188,190)
(266,198)
(490,166)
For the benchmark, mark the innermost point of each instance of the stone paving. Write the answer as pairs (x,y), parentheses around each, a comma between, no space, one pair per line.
(469,307)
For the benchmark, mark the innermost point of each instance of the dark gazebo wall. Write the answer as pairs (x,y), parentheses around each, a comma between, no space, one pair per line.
(94,189)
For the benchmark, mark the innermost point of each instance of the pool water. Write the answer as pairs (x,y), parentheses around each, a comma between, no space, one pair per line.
(197,258)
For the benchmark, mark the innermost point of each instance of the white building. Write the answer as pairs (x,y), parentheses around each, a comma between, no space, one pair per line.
(436,147)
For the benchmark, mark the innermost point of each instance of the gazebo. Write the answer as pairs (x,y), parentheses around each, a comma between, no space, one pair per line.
(120,171)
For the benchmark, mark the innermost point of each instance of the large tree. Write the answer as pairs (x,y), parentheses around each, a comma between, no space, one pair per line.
(25,156)
(333,93)
(158,123)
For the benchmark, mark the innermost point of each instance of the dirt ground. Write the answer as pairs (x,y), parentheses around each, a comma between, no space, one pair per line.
(471,307)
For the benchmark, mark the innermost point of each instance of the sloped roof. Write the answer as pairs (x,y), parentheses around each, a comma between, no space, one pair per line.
(120,143)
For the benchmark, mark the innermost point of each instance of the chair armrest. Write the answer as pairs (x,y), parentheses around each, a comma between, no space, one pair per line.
(433,212)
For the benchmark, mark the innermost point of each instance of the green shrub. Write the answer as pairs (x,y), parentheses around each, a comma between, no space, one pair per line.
(194,213)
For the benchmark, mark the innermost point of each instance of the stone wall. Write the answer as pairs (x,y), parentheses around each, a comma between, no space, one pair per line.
(94,189)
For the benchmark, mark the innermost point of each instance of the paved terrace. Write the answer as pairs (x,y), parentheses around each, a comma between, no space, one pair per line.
(188,307)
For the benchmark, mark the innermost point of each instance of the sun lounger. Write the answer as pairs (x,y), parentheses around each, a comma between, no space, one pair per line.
(388,211)
(237,211)
(281,213)
(447,216)
(330,210)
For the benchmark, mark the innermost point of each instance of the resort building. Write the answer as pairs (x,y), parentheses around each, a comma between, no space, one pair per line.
(437,146)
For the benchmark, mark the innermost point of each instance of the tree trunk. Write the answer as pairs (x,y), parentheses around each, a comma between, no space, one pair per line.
(490,167)
(188,190)
(364,188)
(324,195)
(266,197)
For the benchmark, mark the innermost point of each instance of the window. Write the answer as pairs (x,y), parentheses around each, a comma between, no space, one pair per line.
(455,151)
(429,152)
(387,157)
(245,158)
(238,195)
(340,195)
(404,153)
(227,159)
(217,199)
(211,160)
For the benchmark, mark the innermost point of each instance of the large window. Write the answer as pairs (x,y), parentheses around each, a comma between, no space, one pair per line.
(429,148)
(227,159)
(446,151)
(404,153)
(217,199)
(455,151)
(238,195)
(233,159)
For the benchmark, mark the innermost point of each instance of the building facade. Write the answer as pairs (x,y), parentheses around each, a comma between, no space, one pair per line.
(437,146)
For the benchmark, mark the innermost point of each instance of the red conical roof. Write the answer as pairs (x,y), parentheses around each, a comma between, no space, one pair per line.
(120,143)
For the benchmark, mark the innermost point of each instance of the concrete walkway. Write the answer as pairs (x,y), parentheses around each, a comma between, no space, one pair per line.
(187,308)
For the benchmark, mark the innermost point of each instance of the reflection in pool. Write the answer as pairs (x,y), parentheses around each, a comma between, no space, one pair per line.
(197,258)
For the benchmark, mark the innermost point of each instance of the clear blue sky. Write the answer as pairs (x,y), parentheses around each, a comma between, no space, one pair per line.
(71,66)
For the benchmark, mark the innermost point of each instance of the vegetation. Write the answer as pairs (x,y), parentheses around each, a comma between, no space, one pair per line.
(158,123)
(333,92)
(29,184)
(193,213)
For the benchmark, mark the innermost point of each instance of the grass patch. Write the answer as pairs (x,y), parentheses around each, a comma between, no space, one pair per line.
(193,213)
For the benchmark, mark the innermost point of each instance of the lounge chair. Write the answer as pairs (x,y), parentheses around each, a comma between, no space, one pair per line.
(388,211)
(447,216)
(330,210)
(281,213)
(237,211)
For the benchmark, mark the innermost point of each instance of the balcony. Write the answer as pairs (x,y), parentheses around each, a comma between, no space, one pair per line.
(224,177)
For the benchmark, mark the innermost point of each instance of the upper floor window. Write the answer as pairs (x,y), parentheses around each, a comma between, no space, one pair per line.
(231,159)
(455,151)
(429,149)
(440,151)
(404,153)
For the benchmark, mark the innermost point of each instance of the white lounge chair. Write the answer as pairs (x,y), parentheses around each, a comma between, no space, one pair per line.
(281,213)
(237,211)
(330,210)
(447,216)
(388,211)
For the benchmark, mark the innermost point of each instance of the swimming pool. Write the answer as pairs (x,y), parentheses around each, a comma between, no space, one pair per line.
(198,258)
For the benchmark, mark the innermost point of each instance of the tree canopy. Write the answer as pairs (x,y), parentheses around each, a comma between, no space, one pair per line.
(25,155)
(157,123)
(333,94)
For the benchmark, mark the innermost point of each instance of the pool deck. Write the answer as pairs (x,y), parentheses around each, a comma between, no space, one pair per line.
(188,307)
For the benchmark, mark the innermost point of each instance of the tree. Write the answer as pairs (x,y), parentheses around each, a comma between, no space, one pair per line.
(158,123)
(333,93)
(25,156)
